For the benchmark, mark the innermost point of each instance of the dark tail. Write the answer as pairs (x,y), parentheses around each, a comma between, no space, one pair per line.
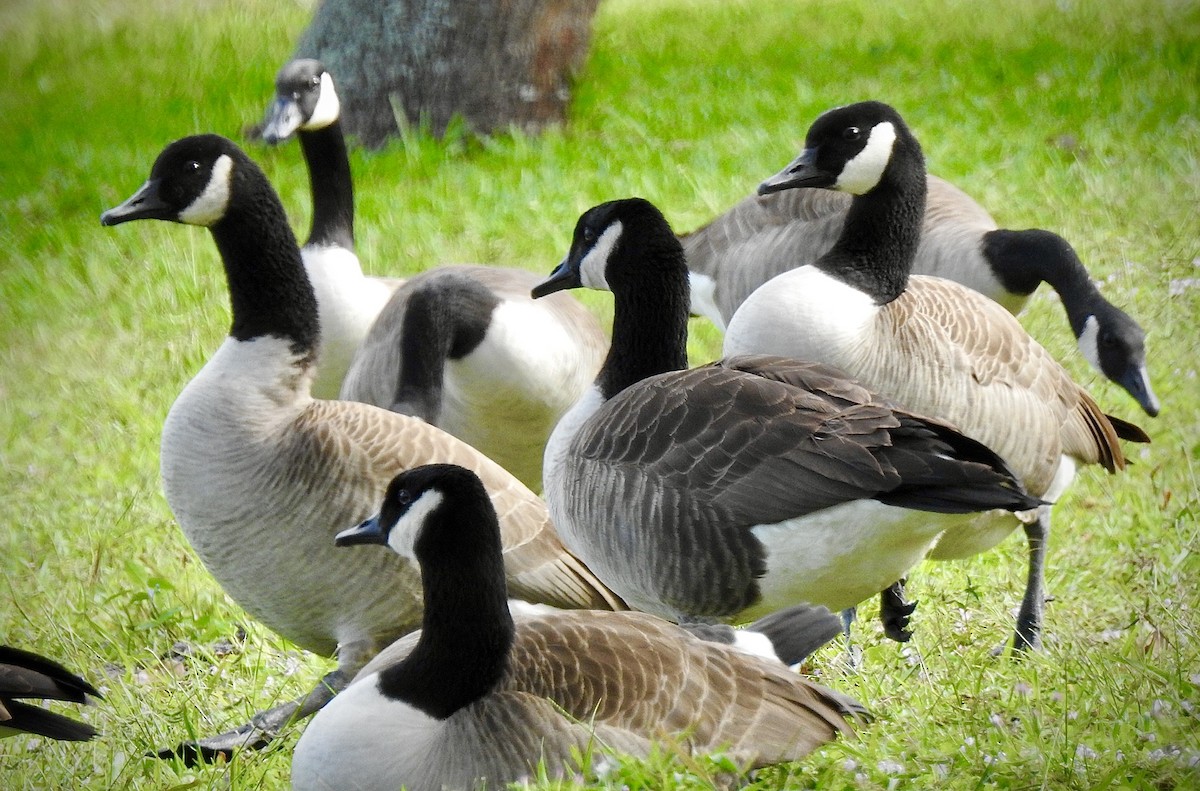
(945,472)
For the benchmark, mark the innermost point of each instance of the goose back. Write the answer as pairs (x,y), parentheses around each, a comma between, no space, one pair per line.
(578,683)
(465,348)
(945,350)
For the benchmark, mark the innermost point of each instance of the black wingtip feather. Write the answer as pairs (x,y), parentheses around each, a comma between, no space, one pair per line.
(797,632)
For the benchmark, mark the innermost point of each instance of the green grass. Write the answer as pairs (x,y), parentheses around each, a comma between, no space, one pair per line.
(1077,116)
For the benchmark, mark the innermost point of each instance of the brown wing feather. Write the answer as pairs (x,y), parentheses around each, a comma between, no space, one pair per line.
(376,444)
(637,674)
(981,369)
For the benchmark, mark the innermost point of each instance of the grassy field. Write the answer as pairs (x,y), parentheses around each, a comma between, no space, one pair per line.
(1082,117)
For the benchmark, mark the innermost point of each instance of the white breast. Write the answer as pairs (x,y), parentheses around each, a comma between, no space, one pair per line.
(362,738)
(825,319)
(843,555)
(347,304)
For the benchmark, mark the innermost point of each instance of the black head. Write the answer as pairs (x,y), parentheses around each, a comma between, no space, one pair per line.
(1115,345)
(192,182)
(609,240)
(848,149)
(305,99)
(411,499)
(1108,337)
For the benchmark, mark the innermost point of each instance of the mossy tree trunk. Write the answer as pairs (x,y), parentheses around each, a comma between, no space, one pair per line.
(495,63)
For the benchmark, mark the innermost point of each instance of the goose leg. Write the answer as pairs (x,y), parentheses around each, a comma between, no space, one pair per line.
(849,616)
(895,611)
(1029,620)
(266,725)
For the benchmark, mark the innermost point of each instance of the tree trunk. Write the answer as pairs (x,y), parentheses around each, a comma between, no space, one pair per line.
(495,63)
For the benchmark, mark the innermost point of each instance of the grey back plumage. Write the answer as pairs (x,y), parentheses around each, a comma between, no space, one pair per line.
(582,684)
(535,359)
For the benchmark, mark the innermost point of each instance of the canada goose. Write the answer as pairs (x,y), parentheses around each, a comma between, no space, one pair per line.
(765,235)
(467,349)
(749,484)
(480,697)
(348,301)
(28,676)
(260,475)
(931,344)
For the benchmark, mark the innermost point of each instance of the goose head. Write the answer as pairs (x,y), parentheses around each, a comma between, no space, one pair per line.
(192,182)
(440,516)
(305,100)
(1115,345)
(413,501)
(848,149)
(616,243)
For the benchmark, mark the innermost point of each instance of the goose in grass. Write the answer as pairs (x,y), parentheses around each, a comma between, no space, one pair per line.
(25,675)
(463,347)
(933,345)
(468,350)
(482,697)
(306,104)
(766,235)
(730,490)
(260,475)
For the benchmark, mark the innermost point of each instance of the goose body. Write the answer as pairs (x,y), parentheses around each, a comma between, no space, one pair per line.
(742,486)
(931,344)
(306,104)
(766,235)
(260,475)
(480,698)
(27,676)
(466,349)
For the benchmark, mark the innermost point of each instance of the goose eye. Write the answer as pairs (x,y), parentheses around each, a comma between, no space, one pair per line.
(316,80)
(403,497)
(589,235)
(191,166)
(851,133)
(1108,341)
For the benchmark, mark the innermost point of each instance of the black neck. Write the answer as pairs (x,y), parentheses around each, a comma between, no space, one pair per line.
(332,187)
(649,324)
(268,289)
(878,244)
(467,630)
(446,317)
(1022,260)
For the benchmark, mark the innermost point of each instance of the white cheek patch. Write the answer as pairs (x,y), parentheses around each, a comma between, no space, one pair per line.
(861,174)
(754,644)
(328,107)
(591,268)
(704,298)
(1089,342)
(210,206)
(403,535)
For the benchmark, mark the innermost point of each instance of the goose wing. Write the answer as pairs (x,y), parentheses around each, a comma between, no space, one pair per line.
(1018,399)
(671,475)
(374,445)
(763,236)
(634,677)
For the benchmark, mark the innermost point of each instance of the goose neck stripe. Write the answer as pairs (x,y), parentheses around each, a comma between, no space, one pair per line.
(212,203)
(863,172)
(328,107)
